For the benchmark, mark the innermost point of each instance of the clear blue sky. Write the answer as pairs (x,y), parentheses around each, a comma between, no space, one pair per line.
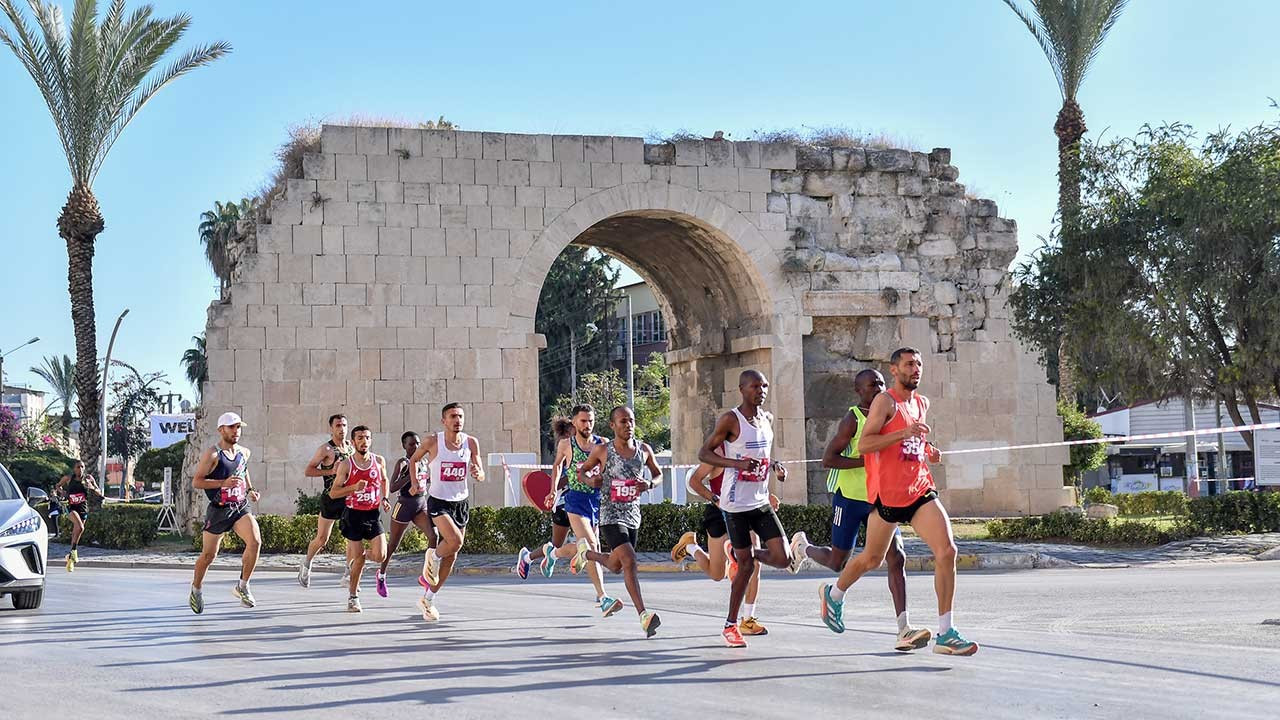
(962,74)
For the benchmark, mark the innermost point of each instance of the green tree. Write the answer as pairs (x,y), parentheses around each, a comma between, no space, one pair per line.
(1185,291)
(577,292)
(601,390)
(60,375)
(195,363)
(135,397)
(94,77)
(607,390)
(151,463)
(1077,426)
(1070,32)
(218,230)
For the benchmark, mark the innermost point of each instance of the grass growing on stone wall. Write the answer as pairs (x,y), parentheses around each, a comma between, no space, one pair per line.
(827,137)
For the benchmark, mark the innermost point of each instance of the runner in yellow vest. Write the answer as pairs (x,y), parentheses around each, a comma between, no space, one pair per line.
(847,483)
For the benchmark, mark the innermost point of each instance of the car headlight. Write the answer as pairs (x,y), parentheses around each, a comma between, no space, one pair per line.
(28,524)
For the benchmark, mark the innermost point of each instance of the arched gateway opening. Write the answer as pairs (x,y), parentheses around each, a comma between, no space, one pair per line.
(721,313)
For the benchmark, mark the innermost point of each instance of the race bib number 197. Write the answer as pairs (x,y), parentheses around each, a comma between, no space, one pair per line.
(76,498)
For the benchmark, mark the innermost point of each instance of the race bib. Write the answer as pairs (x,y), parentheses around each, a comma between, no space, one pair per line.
(622,490)
(233,495)
(913,449)
(76,498)
(451,471)
(761,473)
(368,496)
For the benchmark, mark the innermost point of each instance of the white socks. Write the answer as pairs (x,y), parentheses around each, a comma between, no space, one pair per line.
(429,594)
(903,621)
(749,609)
(836,593)
(944,622)
(694,550)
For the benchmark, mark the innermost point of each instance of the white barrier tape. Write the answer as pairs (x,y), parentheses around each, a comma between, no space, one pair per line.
(1211,480)
(1125,438)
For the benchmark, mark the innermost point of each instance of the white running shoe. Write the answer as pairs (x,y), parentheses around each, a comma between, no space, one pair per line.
(428,608)
(432,568)
(304,575)
(799,542)
(353,605)
(346,573)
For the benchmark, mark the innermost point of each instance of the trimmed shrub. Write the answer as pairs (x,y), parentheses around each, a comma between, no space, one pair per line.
(1063,526)
(121,526)
(517,527)
(1166,502)
(1238,511)
(307,504)
(1098,495)
(280,534)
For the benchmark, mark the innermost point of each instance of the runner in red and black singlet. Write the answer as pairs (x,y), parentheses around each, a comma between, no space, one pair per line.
(76,488)
(362,486)
(897,451)
(223,474)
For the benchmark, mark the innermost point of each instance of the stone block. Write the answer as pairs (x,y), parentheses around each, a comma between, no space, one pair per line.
(476,270)
(508,218)
(375,337)
(439,144)
(401,316)
(460,242)
(597,149)
(690,153)
(318,294)
(495,146)
(281,393)
(479,217)
(319,166)
(605,175)
(575,175)
(324,316)
(459,171)
(469,144)
(366,191)
(719,153)
(659,154)
(388,191)
(246,338)
(465,391)
(392,365)
(460,316)
(428,216)
(452,216)
(351,167)
(421,170)
(294,315)
(724,178)
(452,338)
(449,295)
(520,147)
(474,194)
(383,168)
(628,150)
(684,176)
(567,148)
(371,213)
(778,156)
(890,160)
(636,173)
(531,197)
(533,218)
(337,139)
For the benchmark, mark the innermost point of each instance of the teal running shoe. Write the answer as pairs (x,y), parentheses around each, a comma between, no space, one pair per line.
(831,610)
(548,564)
(952,642)
(609,606)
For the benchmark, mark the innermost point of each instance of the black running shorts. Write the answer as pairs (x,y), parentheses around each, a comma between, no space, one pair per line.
(904,514)
(459,510)
(713,521)
(613,536)
(762,521)
(220,519)
(559,517)
(408,507)
(358,525)
(82,509)
(331,509)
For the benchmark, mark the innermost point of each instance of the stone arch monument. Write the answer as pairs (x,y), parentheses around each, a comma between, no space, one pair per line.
(404,270)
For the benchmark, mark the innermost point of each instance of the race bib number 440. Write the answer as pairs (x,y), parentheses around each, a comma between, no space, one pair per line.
(624,489)
(453,471)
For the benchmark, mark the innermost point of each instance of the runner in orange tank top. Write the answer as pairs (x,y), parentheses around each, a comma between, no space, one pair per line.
(897,451)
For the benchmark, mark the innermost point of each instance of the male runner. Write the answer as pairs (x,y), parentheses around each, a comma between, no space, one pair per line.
(411,506)
(847,483)
(452,454)
(223,474)
(581,503)
(561,429)
(717,560)
(622,464)
(901,488)
(361,484)
(744,437)
(76,488)
(322,465)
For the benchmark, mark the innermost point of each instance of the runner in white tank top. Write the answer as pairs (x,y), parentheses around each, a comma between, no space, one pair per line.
(454,455)
(744,441)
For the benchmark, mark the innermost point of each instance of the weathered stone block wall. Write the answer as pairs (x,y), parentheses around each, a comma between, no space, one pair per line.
(404,269)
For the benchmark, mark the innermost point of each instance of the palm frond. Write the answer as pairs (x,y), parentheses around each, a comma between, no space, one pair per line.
(1070,32)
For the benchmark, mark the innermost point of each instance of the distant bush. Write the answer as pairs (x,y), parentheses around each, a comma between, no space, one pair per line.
(1097,496)
(120,526)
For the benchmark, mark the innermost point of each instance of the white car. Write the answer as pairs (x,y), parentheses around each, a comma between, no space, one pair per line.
(24,544)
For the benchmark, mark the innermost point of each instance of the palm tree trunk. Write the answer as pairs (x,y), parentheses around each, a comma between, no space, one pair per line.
(1069,128)
(79,225)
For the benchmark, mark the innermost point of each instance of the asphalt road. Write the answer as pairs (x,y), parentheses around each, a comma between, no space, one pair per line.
(1183,642)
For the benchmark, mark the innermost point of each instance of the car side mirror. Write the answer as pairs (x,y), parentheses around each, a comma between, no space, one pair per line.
(35,495)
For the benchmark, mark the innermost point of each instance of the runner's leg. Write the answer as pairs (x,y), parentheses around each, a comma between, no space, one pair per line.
(209,546)
(774,553)
(324,528)
(583,531)
(77,529)
(879,537)
(247,529)
(897,563)
(829,557)
(355,561)
(738,588)
(626,560)
(934,527)
(451,537)
(559,534)
(397,532)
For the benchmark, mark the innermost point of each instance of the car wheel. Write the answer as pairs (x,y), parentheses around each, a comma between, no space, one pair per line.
(29,600)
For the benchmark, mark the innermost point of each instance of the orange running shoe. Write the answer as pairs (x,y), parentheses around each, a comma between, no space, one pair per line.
(751,626)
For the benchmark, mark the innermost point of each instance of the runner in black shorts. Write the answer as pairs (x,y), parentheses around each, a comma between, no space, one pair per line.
(223,474)
(362,486)
(76,488)
(411,505)
(322,465)
(562,428)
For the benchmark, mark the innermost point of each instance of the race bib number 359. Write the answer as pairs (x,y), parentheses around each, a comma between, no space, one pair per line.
(624,489)
(913,449)
(453,471)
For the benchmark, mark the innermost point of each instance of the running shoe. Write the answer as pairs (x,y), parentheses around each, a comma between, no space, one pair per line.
(346,572)
(751,626)
(431,569)
(71,564)
(304,574)
(75,556)
(681,550)
(580,558)
(353,605)
(912,639)
(609,606)
(522,564)
(733,637)
(428,608)
(831,610)
(596,604)
(243,595)
(952,642)
(733,561)
(650,621)
(196,600)
(798,543)
(425,585)
(380,578)
(548,564)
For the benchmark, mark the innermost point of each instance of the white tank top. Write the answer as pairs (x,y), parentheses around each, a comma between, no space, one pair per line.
(741,491)
(449,470)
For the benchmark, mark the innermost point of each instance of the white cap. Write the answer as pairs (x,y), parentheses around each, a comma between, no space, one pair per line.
(229,418)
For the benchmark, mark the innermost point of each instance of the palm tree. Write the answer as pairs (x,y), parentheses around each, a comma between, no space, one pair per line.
(218,230)
(60,375)
(196,364)
(94,77)
(1071,33)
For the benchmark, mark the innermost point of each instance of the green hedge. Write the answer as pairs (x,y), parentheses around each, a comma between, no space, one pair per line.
(39,468)
(122,526)
(1167,502)
(1238,511)
(1071,527)
(1098,495)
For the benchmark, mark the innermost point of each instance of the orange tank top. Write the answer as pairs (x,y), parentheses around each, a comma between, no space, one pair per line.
(899,474)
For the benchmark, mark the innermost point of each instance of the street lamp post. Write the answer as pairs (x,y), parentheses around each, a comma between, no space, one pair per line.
(2,357)
(102,418)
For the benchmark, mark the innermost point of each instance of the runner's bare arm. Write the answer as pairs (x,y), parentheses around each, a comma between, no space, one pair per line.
(833,457)
(477,467)
(426,449)
(725,430)
(206,465)
(321,457)
(337,491)
(882,409)
(655,472)
(248,479)
(698,484)
(563,456)
(400,474)
(594,460)
(386,490)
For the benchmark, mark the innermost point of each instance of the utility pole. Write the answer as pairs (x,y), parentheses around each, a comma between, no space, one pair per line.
(32,340)
(573,366)
(631,341)
(1192,486)
(102,418)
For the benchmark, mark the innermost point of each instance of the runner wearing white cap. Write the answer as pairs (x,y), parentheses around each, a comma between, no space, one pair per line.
(223,474)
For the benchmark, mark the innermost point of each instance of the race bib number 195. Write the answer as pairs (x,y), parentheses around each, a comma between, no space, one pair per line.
(624,489)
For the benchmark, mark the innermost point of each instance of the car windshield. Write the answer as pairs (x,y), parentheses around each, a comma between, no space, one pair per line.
(8,488)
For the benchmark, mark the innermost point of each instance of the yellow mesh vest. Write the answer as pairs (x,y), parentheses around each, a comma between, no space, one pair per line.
(851,483)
